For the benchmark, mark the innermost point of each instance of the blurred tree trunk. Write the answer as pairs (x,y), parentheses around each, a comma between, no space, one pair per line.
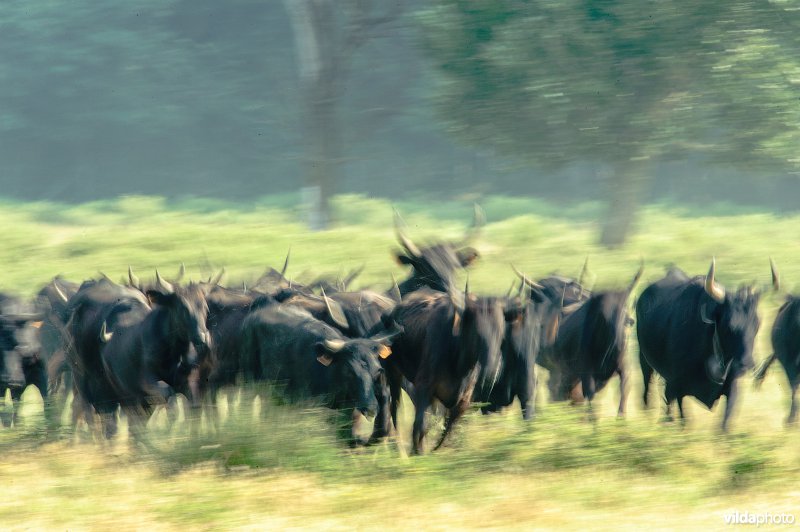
(317,62)
(327,33)
(626,187)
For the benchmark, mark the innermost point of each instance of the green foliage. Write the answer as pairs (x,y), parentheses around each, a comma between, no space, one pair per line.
(553,82)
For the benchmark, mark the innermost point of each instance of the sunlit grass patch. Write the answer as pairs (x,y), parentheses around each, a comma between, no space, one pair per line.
(287,466)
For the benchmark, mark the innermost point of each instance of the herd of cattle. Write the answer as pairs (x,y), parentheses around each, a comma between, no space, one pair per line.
(133,346)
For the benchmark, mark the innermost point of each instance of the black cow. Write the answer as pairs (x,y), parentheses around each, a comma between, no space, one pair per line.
(697,336)
(559,296)
(150,360)
(527,318)
(96,307)
(448,344)
(589,347)
(20,361)
(435,266)
(12,374)
(284,343)
(227,309)
(786,349)
(54,340)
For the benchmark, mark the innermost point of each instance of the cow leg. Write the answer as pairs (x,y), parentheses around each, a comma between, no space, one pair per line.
(395,380)
(588,386)
(453,415)
(679,400)
(647,375)
(421,402)
(670,395)
(383,422)
(623,391)
(527,396)
(137,423)
(730,403)
(16,400)
(793,408)
(108,421)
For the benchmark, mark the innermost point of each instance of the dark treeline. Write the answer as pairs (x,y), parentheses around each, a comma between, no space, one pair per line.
(204,98)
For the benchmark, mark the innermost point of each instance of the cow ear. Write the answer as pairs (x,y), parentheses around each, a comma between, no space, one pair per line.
(384,351)
(157,298)
(514,313)
(467,256)
(325,359)
(404,260)
(327,349)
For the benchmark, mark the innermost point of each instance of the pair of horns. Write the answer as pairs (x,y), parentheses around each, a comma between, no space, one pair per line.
(478,221)
(717,291)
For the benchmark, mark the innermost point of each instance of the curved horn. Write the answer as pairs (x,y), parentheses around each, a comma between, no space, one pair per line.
(478,221)
(402,237)
(776,278)
(132,279)
(636,277)
(334,346)
(162,284)
(584,270)
(60,293)
(104,334)
(335,311)
(286,262)
(394,293)
(215,281)
(532,284)
(511,288)
(713,289)
(181,273)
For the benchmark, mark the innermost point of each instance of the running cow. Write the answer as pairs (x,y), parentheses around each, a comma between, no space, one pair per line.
(698,337)
(786,349)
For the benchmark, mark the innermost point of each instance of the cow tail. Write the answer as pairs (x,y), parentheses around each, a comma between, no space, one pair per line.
(761,372)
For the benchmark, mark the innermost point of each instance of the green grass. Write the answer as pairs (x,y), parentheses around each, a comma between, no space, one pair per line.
(285,466)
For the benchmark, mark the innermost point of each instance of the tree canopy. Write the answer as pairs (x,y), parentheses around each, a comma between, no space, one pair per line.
(606,80)
(622,82)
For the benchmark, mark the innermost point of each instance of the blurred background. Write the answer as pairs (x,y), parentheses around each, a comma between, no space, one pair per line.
(572,100)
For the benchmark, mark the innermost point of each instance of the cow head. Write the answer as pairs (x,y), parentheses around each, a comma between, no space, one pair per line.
(11,371)
(554,296)
(736,322)
(357,373)
(187,309)
(20,346)
(479,323)
(435,266)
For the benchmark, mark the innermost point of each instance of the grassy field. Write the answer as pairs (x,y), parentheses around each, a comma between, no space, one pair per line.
(281,467)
